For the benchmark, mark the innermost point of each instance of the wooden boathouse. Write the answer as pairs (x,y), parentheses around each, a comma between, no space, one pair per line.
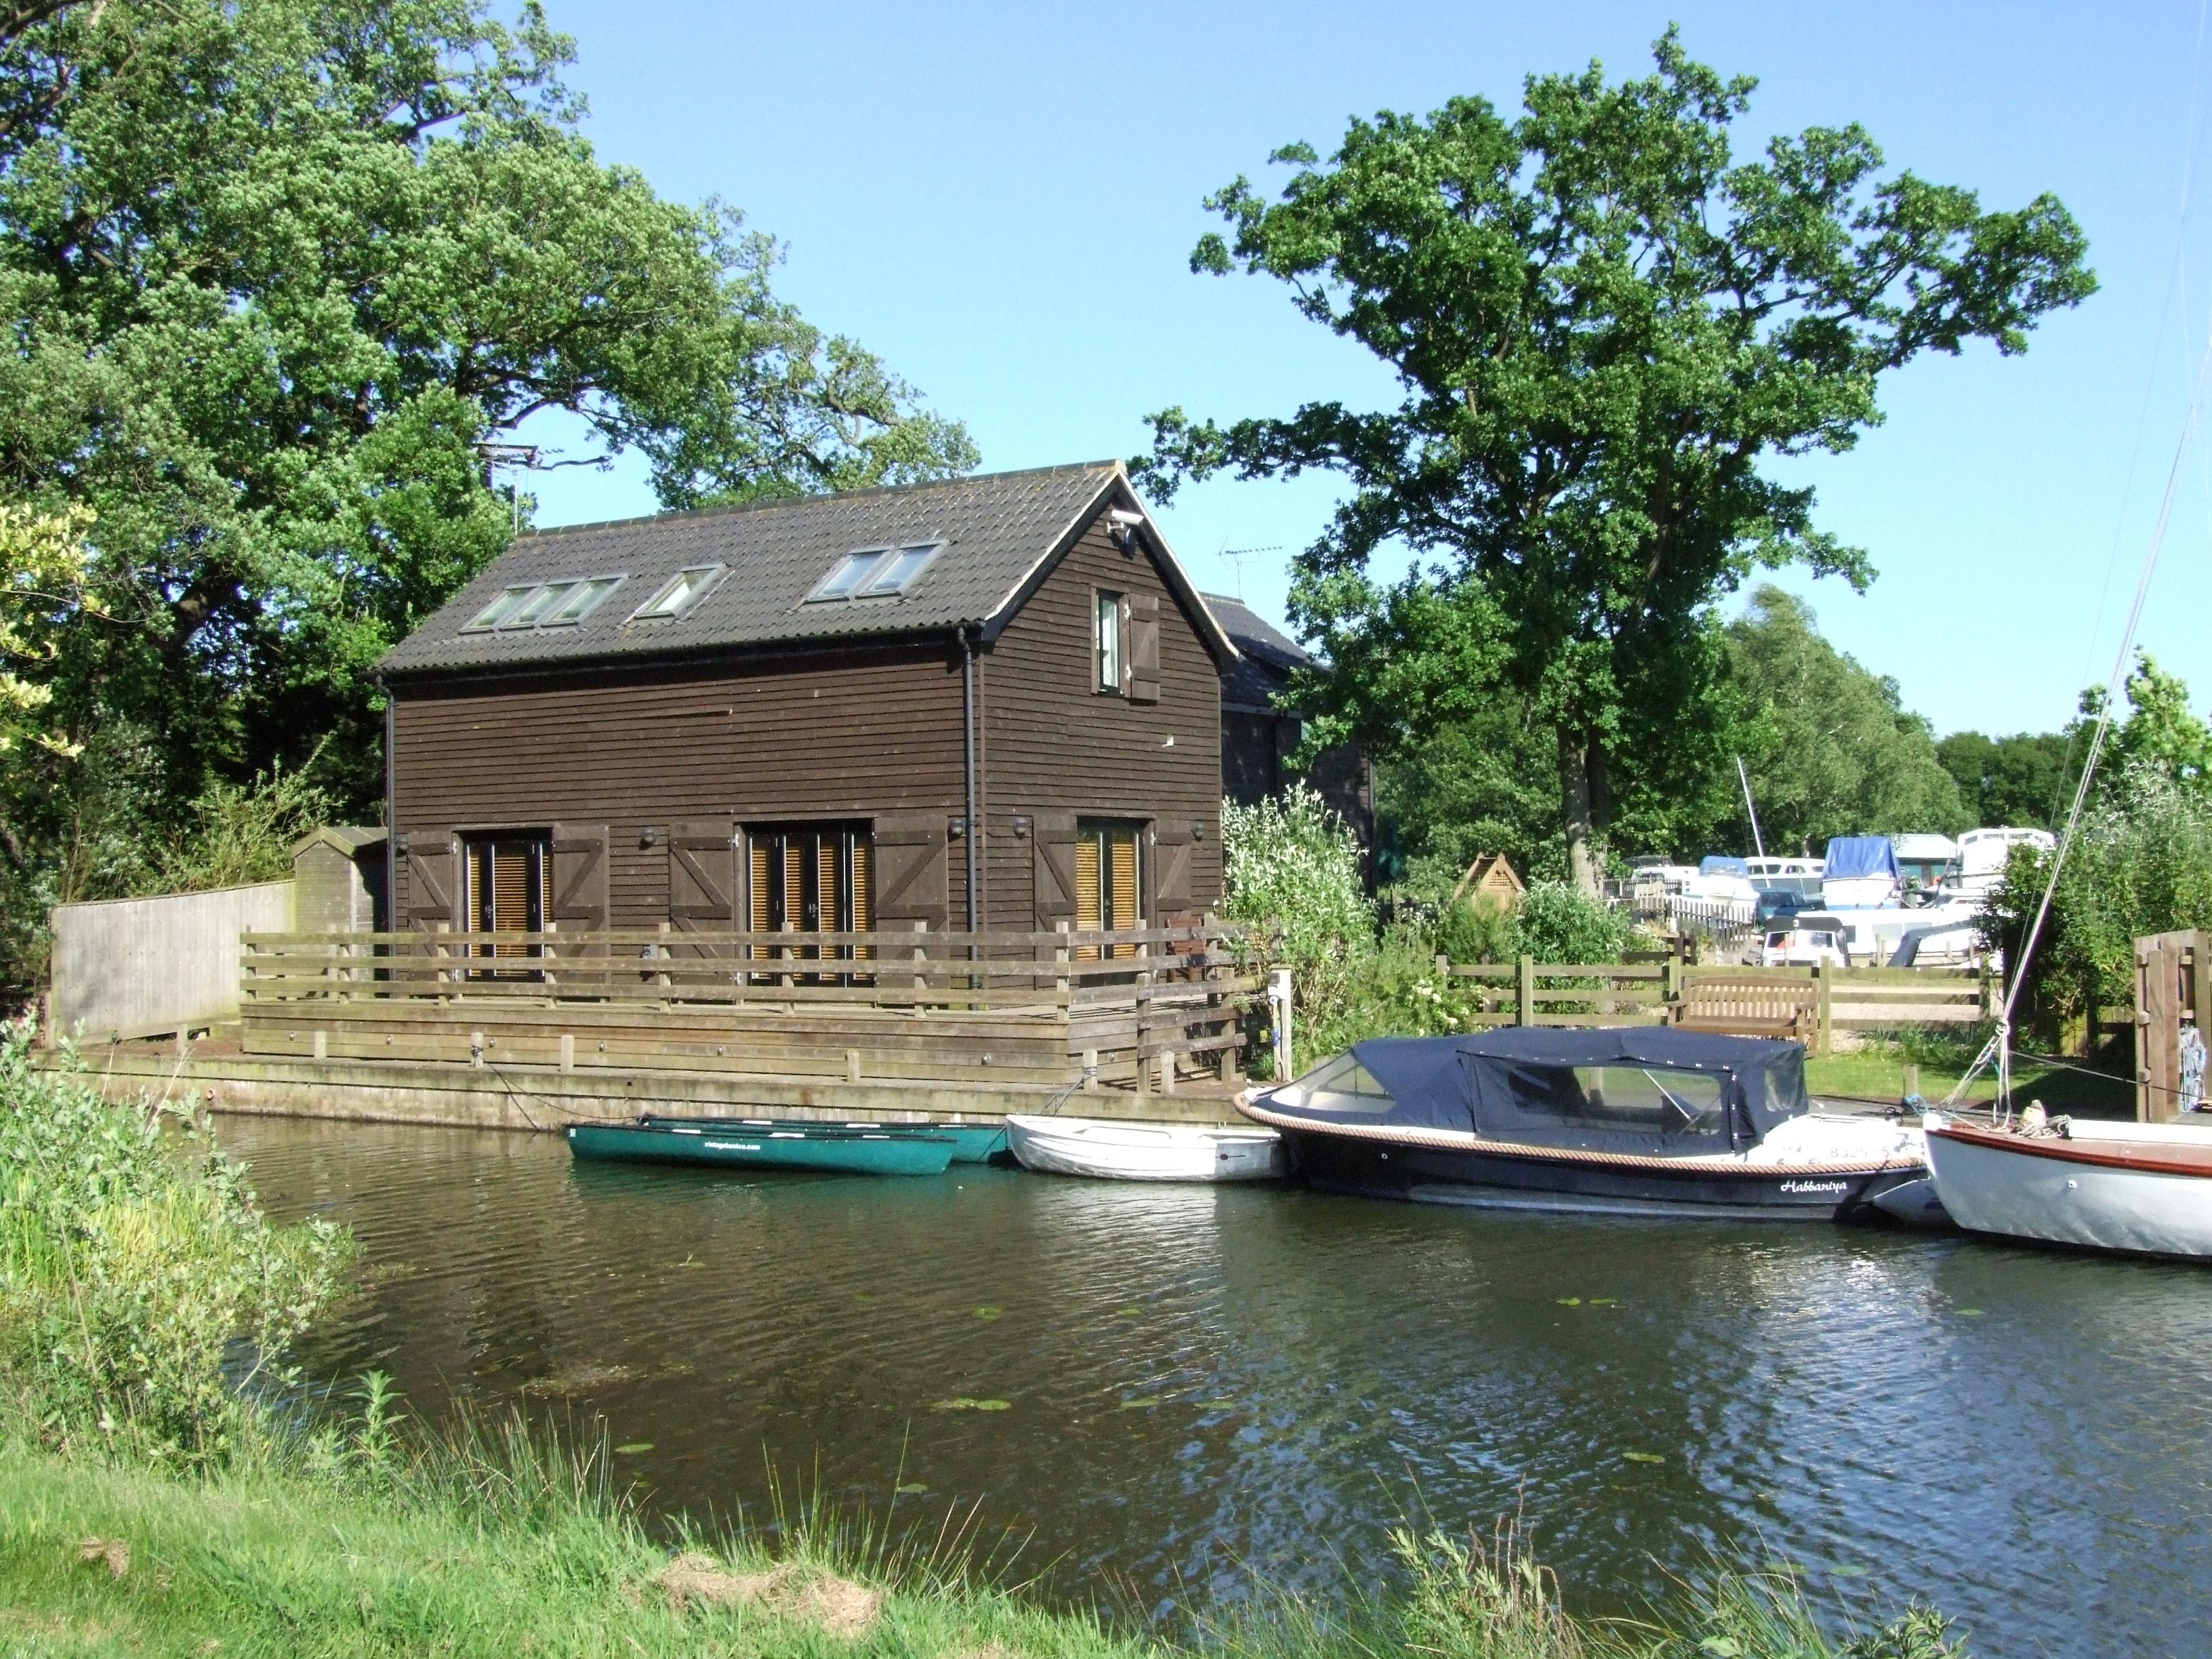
(988,703)
(896,801)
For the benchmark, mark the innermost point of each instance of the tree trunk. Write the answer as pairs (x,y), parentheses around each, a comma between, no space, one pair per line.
(1585,807)
(1582,867)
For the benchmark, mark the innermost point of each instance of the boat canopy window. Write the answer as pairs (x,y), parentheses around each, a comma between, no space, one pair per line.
(1590,1105)
(1342,1085)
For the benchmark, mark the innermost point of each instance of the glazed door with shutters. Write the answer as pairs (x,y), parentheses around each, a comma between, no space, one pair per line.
(810,878)
(503,891)
(1109,888)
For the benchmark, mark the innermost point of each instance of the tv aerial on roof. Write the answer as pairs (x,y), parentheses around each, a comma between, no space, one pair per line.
(1236,556)
(513,458)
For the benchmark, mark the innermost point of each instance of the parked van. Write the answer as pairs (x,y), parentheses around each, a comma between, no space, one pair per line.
(1807,940)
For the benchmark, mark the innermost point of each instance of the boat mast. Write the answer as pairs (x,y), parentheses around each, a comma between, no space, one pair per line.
(1757,845)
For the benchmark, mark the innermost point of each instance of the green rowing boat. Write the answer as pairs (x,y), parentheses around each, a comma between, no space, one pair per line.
(838,1150)
(972,1143)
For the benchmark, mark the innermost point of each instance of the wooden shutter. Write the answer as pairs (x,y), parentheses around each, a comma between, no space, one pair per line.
(1171,853)
(1122,890)
(1090,890)
(577,882)
(910,869)
(432,870)
(1052,855)
(702,875)
(1143,642)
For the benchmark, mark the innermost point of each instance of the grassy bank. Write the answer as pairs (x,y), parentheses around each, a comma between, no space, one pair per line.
(162,1491)
(1877,1073)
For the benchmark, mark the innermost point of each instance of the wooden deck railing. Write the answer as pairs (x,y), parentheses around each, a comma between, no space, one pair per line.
(1132,1006)
(1807,1003)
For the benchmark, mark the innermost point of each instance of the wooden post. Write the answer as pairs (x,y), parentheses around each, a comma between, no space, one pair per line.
(1524,1011)
(567,1051)
(1823,983)
(1089,1071)
(322,1044)
(920,980)
(852,1065)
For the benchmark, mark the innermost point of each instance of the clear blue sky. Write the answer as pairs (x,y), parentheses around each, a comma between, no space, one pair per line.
(1002,201)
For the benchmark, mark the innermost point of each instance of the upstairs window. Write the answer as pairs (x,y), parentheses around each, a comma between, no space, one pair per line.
(1106,638)
(583,598)
(871,572)
(544,604)
(681,593)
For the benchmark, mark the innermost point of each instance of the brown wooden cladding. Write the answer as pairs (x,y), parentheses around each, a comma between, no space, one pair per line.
(1055,747)
(854,734)
(863,731)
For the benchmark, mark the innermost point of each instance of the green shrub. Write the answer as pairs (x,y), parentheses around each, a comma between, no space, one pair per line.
(143,1293)
(2141,864)
(1479,928)
(1558,922)
(1292,870)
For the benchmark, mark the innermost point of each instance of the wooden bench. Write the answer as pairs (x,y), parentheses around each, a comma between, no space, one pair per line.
(1748,1006)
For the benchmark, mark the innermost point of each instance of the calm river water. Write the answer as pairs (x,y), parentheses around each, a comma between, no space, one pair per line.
(1204,1385)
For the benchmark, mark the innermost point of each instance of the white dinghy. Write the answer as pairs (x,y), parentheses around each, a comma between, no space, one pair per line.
(2145,1188)
(1114,1151)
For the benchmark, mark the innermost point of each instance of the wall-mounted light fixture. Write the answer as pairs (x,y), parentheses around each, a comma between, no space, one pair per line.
(1197,830)
(955,828)
(648,837)
(1021,825)
(399,845)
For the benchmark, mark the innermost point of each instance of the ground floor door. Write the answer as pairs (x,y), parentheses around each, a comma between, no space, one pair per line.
(1109,881)
(503,889)
(810,878)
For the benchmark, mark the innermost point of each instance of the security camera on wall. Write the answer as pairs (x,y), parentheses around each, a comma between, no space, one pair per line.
(1121,525)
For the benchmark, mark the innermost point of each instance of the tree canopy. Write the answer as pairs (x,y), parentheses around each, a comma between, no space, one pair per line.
(274,273)
(1828,746)
(276,278)
(1602,323)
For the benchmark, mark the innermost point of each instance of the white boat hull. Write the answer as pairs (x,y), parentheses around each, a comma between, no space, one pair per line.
(2086,1189)
(1108,1150)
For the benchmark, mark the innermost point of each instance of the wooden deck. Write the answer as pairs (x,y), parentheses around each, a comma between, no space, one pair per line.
(1144,1010)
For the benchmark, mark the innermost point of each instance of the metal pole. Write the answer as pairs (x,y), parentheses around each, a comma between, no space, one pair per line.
(1757,845)
(968,753)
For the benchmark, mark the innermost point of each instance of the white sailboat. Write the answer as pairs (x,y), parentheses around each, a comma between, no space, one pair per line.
(2144,1188)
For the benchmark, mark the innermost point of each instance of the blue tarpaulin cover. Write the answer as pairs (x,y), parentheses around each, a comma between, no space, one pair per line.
(1722,864)
(1536,1083)
(1861,855)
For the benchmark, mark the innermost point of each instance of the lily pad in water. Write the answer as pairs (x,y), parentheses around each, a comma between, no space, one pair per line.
(1644,1457)
(1571,1302)
(631,1448)
(1141,1402)
(963,1403)
(1970,1313)
(986,1311)
(912,1488)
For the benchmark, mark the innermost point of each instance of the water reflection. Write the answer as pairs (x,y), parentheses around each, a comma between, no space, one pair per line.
(1168,1389)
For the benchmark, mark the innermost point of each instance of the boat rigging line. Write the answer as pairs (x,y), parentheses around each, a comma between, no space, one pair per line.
(1757,845)
(1998,1049)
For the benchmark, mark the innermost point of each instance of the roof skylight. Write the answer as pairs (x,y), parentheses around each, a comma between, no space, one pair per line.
(870,573)
(542,605)
(681,592)
(583,599)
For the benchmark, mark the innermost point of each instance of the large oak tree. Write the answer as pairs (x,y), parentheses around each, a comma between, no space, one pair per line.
(275,273)
(1603,322)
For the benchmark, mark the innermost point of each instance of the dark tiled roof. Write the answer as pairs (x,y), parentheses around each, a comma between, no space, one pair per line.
(997,528)
(1269,653)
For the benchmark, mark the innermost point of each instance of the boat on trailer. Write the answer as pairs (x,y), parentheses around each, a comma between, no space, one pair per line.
(1107,1149)
(807,1146)
(2142,1188)
(1636,1121)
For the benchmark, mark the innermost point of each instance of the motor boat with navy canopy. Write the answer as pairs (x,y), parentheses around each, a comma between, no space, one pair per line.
(1636,1119)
